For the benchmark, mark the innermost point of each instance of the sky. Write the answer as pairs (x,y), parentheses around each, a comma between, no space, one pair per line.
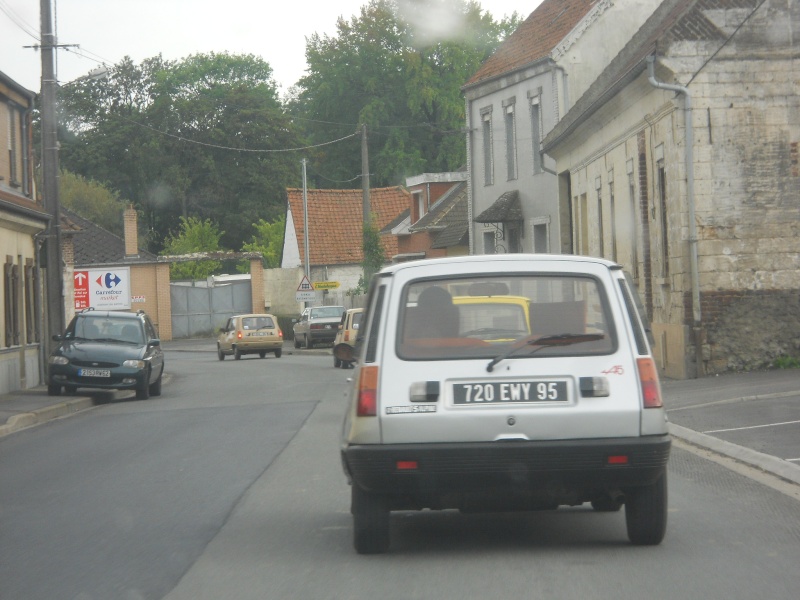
(98,32)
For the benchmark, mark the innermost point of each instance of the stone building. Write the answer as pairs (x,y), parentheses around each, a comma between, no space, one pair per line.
(680,161)
(23,221)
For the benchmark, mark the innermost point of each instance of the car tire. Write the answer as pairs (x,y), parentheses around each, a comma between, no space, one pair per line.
(155,387)
(646,513)
(278,353)
(296,342)
(309,343)
(220,353)
(262,354)
(336,363)
(143,392)
(236,354)
(370,522)
(53,390)
(70,389)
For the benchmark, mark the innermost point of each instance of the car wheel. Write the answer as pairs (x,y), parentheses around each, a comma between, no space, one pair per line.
(309,343)
(278,353)
(263,353)
(236,354)
(70,389)
(143,392)
(53,390)
(370,522)
(336,363)
(155,387)
(220,353)
(646,513)
(296,342)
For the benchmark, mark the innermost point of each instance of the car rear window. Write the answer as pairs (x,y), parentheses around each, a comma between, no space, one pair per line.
(258,323)
(531,315)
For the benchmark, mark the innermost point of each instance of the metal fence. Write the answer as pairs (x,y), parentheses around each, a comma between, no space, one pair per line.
(199,311)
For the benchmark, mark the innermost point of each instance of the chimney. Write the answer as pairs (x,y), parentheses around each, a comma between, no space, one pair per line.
(131,233)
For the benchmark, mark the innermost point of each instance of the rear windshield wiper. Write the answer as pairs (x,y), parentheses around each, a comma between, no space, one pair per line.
(562,339)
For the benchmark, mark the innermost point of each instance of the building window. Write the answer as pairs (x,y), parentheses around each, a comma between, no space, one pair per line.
(419,207)
(633,229)
(11,293)
(13,150)
(513,238)
(613,215)
(662,199)
(600,235)
(489,242)
(541,235)
(536,136)
(33,303)
(488,161)
(511,142)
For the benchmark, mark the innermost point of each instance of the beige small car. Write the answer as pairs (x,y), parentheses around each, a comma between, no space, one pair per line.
(347,333)
(250,334)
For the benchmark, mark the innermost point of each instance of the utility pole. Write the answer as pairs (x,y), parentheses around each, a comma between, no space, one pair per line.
(305,224)
(364,175)
(54,276)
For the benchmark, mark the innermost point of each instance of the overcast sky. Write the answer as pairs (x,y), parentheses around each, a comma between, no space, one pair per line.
(108,30)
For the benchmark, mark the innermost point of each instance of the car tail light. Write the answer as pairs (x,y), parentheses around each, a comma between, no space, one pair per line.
(367,405)
(651,388)
(617,459)
(407,465)
(346,336)
(280,332)
(239,335)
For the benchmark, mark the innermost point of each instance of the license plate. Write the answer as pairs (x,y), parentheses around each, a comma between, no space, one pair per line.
(258,334)
(94,372)
(509,392)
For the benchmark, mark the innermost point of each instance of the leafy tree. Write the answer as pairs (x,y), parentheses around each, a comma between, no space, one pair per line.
(92,201)
(268,240)
(195,236)
(385,68)
(203,137)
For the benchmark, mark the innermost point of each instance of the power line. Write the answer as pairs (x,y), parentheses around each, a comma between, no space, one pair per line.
(220,147)
(19,21)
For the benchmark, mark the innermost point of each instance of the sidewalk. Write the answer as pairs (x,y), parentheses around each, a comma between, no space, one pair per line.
(740,397)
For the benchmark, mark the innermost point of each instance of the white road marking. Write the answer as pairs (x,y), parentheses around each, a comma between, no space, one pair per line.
(751,427)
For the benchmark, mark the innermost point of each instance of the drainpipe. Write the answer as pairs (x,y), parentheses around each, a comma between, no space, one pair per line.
(689,157)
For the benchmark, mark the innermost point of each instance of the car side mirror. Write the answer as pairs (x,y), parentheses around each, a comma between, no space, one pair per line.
(57,338)
(154,342)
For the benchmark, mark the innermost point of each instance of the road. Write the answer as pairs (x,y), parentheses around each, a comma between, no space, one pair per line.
(229,486)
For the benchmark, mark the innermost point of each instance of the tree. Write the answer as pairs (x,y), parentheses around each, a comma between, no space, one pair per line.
(204,137)
(268,240)
(387,69)
(92,201)
(194,236)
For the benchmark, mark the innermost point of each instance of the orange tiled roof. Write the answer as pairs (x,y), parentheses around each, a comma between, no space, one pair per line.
(535,38)
(335,217)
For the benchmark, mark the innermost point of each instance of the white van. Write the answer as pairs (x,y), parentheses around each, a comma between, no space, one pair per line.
(562,407)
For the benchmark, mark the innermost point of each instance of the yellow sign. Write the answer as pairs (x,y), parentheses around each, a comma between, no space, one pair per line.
(326,285)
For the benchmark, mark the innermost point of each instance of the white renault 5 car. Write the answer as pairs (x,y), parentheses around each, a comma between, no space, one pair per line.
(563,410)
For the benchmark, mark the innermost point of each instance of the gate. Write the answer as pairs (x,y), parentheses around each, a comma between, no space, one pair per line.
(200,311)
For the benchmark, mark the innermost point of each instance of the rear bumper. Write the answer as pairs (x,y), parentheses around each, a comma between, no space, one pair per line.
(560,470)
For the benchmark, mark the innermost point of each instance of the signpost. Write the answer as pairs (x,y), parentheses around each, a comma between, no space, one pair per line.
(305,291)
(325,285)
(103,289)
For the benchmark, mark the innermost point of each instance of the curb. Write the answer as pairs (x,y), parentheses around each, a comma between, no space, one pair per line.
(43,415)
(770,464)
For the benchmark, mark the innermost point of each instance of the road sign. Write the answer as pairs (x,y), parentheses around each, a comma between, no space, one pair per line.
(103,289)
(305,291)
(326,285)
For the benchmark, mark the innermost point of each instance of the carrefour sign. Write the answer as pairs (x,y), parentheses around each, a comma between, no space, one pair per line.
(108,289)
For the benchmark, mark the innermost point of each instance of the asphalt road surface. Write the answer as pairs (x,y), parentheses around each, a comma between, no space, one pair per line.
(229,486)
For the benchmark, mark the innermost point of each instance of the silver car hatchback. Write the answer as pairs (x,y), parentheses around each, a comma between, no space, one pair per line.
(460,402)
